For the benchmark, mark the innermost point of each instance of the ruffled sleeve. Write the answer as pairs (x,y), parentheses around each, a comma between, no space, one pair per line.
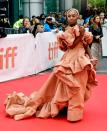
(61,43)
(66,39)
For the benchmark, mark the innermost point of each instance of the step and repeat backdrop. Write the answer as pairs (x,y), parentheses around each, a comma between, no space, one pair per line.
(22,54)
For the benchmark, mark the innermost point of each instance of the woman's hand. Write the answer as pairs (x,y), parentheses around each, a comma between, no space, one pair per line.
(94,61)
(81,30)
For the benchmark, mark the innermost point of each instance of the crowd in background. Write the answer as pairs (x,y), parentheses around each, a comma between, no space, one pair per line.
(53,21)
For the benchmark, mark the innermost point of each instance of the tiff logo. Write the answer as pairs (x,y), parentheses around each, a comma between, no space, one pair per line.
(52,50)
(7,57)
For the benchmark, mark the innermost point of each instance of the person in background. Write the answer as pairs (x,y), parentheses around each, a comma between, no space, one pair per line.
(96,30)
(52,15)
(32,20)
(80,20)
(64,24)
(48,26)
(42,19)
(18,24)
(38,28)
(102,17)
(26,26)
(35,21)
(4,22)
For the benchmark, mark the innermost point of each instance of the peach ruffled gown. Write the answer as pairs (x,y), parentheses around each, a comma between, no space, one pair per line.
(69,85)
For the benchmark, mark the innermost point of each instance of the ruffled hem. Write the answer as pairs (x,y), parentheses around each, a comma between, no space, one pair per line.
(66,71)
(49,109)
(74,66)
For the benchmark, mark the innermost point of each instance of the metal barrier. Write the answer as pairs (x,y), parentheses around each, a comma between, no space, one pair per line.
(11,30)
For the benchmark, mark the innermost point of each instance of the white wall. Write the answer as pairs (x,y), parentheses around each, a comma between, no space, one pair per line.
(32,7)
(68,4)
(65,4)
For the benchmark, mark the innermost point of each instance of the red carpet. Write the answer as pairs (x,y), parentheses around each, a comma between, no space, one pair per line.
(95,117)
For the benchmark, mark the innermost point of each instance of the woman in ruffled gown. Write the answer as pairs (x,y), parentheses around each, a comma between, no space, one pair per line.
(70,83)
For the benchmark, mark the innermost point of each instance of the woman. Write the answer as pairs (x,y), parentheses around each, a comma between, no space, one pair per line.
(96,30)
(70,83)
(38,28)
(48,26)
(26,26)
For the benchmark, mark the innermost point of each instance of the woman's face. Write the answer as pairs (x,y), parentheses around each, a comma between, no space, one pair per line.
(72,17)
(26,23)
(102,15)
(40,28)
(97,19)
